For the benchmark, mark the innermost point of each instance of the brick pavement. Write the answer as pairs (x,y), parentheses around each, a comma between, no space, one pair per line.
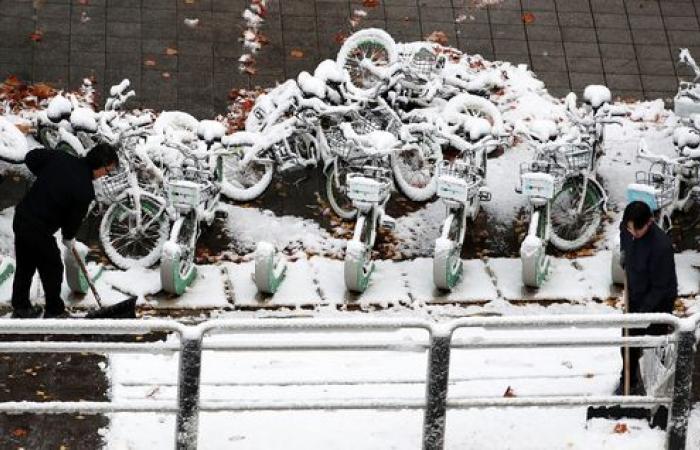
(630,45)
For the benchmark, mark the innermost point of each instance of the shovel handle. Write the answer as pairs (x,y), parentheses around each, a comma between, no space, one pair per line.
(81,264)
(626,359)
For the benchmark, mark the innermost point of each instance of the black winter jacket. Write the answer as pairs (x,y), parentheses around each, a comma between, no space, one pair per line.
(650,269)
(59,197)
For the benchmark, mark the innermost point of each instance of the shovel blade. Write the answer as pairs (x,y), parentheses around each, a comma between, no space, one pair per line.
(123,310)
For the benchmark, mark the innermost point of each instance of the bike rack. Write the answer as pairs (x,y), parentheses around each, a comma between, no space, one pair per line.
(439,346)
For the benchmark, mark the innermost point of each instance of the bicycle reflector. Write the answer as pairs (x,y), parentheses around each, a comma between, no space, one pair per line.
(110,187)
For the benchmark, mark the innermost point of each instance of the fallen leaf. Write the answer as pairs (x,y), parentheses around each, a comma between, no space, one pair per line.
(438,37)
(84,2)
(37,36)
(171,51)
(509,392)
(461,18)
(189,2)
(20,432)
(149,63)
(42,90)
(370,3)
(296,53)
(621,428)
(340,37)
(166,75)
(528,18)
(84,17)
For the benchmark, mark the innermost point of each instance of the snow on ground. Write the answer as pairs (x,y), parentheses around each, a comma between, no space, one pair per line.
(299,376)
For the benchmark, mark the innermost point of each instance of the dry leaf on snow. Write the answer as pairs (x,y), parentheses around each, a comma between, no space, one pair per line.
(528,18)
(621,428)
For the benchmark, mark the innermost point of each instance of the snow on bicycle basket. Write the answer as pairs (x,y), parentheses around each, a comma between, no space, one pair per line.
(576,158)
(187,192)
(457,181)
(653,188)
(111,186)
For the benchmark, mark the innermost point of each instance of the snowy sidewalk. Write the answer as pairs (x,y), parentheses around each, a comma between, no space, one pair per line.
(319,281)
(350,375)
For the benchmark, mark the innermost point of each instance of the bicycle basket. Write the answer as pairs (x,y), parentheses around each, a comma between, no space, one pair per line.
(368,185)
(183,195)
(653,188)
(109,188)
(576,158)
(337,143)
(458,181)
(540,178)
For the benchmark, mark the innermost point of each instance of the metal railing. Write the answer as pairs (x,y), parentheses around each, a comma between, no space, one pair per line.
(439,346)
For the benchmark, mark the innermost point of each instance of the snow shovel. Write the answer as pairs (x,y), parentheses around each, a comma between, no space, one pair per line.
(617,412)
(125,309)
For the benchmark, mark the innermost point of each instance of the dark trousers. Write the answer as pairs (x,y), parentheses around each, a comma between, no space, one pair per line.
(656,329)
(37,251)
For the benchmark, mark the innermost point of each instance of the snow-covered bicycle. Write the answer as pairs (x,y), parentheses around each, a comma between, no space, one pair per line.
(416,72)
(566,202)
(461,187)
(671,184)
(192,190)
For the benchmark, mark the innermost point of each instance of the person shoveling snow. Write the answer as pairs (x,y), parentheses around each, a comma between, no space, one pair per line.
(58,199)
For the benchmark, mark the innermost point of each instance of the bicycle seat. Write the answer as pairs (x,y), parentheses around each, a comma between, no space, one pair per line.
(477,128)
(597,95)
(210,131)
(686,137)
(59,108)
(543,130)
(83,119)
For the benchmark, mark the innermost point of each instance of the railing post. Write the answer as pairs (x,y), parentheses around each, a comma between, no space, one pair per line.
(680,408)
(436,389)
(188,391)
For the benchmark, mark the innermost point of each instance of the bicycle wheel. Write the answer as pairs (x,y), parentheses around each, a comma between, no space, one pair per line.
(128,246)
(244,182)
(177,268)
(415,169)
(362,55)
(572,230)
(447,264)
(464,108)
(336,191)
(358,265)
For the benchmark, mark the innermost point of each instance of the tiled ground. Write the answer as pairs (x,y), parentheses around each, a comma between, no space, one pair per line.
(631,45)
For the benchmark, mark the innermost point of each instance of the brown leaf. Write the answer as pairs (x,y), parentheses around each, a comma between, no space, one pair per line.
(528,18)
(37,36)
(621,428)
(509,393)
(24,128)
(171,51)
(340,37)
(296,53)
(438,37)
(19,432)
(42,90)
(370,3)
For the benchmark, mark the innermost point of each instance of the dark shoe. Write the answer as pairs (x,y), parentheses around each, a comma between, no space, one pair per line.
(62,315)
(27,313)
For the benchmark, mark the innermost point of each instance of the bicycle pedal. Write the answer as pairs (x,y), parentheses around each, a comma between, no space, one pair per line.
(387,222)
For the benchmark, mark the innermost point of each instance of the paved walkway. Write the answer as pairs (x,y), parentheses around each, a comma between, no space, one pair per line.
(631,45)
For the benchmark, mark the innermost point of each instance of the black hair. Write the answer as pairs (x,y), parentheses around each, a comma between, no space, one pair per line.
(638,213)
(101,155)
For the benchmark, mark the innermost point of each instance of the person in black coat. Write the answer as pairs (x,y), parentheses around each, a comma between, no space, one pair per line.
(58,199)
(647,257)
